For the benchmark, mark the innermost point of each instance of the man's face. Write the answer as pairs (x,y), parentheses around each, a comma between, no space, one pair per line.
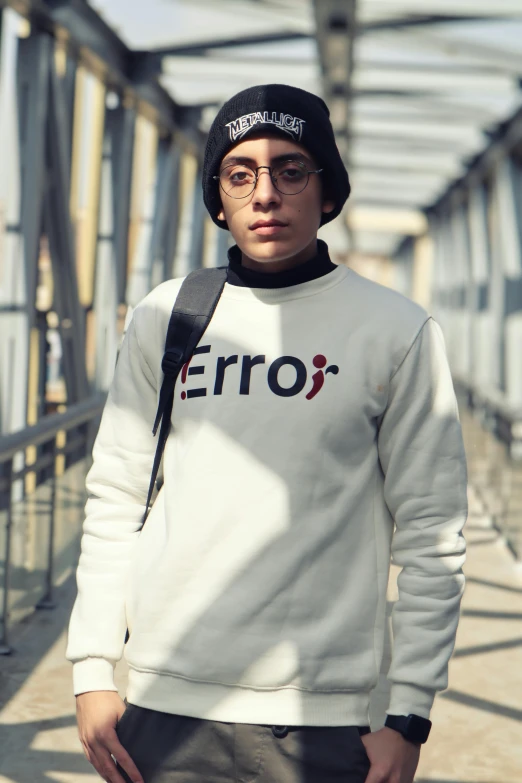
(269,226)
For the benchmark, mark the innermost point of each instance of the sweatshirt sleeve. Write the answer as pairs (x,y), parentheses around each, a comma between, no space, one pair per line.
(422,457)
(117,486)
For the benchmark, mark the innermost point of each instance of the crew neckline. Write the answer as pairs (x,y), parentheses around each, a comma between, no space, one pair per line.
(278,295)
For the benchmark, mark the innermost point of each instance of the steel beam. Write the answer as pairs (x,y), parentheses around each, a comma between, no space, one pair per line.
(509,204)
(87,29)
(197,227)
(336,31)
(509,249)
(392,107)
(34,63)
(173,221)
(459,68)
(480,255)
(14,309)
(199,48)
(61,242)
(497,290)
(121,127)
(68,80)
(463,283)
(425,20)
(113,61)
(412,142)
(496,55)
(166,217)
(430,99)
(106,279)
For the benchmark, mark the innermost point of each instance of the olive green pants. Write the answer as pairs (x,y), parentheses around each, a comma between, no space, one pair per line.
(176,749)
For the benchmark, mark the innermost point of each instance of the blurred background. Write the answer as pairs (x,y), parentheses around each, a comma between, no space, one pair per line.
(104,111)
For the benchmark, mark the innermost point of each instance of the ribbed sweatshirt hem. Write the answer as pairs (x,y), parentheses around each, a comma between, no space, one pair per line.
(234,704)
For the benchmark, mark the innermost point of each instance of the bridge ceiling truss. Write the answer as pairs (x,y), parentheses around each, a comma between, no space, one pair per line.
(417,99)
(417,91)
(416,95)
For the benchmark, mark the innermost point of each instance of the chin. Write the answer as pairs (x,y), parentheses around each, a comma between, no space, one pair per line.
(274,250)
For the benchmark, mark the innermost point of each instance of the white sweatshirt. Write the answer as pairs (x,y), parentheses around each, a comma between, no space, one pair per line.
(312,418)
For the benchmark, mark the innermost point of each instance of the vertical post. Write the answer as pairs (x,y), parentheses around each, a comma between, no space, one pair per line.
(14,320)
(121,125)
(497,287)
(480,271)
(198,224)
(510,234)
(438,270)
(173,216)
(143,209)
(34,65)
(5,649)
(47,601)
(166,214)
(106,280)
(449,297)
(423,271)
(61,243)
(403,268)
(187,194)
(459,238)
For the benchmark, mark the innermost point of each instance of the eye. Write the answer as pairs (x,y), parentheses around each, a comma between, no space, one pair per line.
(291,172)
(237,175)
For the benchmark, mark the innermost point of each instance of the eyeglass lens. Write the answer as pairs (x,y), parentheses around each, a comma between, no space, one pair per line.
(239,180)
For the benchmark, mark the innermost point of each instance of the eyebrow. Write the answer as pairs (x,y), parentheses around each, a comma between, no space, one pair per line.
(277,159)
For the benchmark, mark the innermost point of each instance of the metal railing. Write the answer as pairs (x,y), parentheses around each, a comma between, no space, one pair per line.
(61,437)
(493,439)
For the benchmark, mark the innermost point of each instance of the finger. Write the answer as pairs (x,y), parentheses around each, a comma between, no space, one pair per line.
(118,752)
(375,776)
(105,766)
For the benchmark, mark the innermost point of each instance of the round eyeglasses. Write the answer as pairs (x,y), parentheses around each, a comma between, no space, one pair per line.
(289,177)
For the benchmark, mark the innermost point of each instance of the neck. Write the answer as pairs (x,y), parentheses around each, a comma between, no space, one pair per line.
(283,264)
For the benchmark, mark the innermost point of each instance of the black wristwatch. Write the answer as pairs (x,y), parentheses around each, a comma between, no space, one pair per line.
(412,727)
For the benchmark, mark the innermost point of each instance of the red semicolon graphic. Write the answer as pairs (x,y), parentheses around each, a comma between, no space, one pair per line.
(318,361)
(184,373)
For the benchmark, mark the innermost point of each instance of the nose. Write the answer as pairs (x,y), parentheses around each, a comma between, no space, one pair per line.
(265,193)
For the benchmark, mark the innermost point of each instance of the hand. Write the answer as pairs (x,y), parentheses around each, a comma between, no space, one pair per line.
(97,713)
(393,759)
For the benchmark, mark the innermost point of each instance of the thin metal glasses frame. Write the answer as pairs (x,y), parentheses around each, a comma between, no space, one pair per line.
(274,181)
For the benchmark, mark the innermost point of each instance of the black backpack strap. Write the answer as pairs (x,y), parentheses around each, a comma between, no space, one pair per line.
(192,312)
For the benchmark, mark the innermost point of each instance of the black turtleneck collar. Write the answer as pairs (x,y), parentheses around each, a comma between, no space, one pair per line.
(318,266)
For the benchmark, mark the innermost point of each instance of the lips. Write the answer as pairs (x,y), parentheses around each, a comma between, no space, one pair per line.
(267,226)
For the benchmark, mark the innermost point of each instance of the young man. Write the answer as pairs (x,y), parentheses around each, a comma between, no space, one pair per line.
(317,415)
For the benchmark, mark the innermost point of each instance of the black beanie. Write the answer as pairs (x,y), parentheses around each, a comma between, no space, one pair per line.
(284,111)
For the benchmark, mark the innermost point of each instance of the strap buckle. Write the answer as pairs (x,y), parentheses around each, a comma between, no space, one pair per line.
(172,360)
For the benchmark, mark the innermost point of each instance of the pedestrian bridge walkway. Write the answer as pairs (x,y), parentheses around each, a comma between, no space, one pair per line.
(477,734)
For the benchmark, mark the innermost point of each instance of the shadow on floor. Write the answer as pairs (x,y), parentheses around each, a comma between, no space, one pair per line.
(32,638)
(37,766)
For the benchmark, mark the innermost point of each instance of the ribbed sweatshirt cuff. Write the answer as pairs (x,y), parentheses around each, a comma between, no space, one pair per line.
(93,674)
(410,699)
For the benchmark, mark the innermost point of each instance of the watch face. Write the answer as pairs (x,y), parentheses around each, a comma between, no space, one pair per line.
(417,728)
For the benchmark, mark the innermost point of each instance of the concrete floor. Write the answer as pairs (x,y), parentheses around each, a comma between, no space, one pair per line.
(477,733)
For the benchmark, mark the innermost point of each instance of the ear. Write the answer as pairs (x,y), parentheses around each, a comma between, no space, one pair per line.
(328,206)
(221,214)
